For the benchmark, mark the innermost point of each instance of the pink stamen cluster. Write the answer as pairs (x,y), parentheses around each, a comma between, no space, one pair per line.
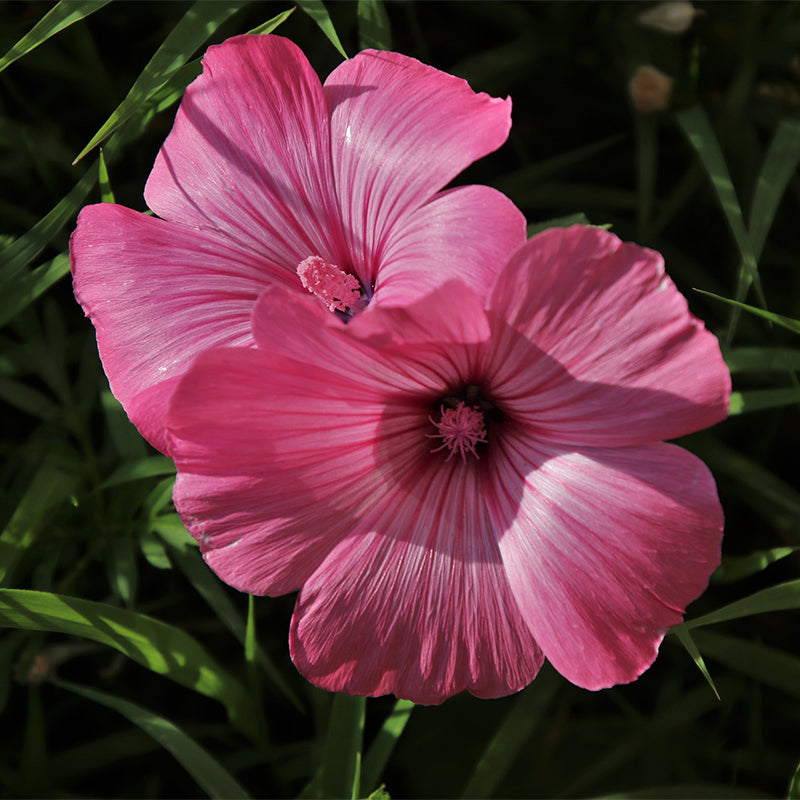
(461,429)
(336,288)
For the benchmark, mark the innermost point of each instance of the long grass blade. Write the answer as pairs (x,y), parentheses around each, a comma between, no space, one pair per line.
(783,597)
(209,774)
(779,165)
(735,568)
(61,16)
(199,22)
(380,750)
(759,399)
(161,648)
(760,359)
(685,638)
(341,759)
(374,30)
(317,11)
(504,747)
(785,322)
(23,289)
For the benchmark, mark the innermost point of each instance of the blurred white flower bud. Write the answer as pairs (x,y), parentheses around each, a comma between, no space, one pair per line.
(650,89)
(673,16)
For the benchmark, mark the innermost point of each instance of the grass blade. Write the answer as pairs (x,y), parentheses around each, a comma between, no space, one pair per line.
(757,359)
(199,22)
(161,648)
(21,252)
(758,399)
(783,597)
(49,487)
(374,30)
(777,169)
(22,290)
(209,774)
(341,759)
(380,750)
(273,23)
(106,192)
(501,752)
(682,632)
(61,16)
(785,322)
(734,568)
(700,134)
(317,11)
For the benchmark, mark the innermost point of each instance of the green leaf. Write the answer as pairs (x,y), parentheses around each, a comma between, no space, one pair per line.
(380,750)
(682,632)
(777,169)
(185,554)
(106,193)
(341,759)
(793,792)
(783,597)
(374,30)
(379,794)
(161,648)
(766,664)
(758,399)
(199,22)
(317,11)
(757,359)
(148,467)
(50,486)
(20,292)
(273,23)
(528,712)
(209,774)
(21,252)
(785,322)
(700,134)
(734,568)
(61,16)
(689,791)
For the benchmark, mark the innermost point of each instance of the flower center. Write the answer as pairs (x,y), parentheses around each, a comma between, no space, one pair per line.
(460,428)
(337,289)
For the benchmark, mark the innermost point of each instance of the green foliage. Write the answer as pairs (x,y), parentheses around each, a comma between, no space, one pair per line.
(121,648)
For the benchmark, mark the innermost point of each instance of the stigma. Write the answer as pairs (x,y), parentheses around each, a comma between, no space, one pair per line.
(337,289)
(461,429)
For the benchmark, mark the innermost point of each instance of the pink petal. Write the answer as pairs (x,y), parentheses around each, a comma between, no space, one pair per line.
(628,363)
(466,233)
(604,549)
(158,293)
(274,459)
(415,602)
(249,154)
(401,131)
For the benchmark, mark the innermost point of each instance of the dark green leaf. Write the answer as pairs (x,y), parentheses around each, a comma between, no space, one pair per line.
(317,11)
(374,31)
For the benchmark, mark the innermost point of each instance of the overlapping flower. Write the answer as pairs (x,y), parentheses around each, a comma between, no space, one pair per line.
(265,170)
(464,485)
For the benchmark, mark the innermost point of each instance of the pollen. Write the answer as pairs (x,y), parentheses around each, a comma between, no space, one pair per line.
(461,429)
(337,289)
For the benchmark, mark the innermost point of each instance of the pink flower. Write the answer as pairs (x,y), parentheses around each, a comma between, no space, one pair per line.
(464,486)
(266,170)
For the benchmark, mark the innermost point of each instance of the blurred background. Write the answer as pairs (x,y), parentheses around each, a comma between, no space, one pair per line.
(678,129)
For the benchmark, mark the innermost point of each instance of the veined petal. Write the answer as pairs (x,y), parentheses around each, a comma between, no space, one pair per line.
(158,293)
(637,366)
(249,154)
(276,460)
(415,601)
(604,549)
(466,234)
(401,131)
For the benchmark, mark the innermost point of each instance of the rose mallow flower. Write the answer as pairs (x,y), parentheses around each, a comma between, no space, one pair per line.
(466,485)
(269,177)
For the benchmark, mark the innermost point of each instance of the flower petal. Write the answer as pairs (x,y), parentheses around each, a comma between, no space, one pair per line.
(249,154)
(401,131)
(466,233)
(635,365)
(604,549)
(415,601)
(158,293)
